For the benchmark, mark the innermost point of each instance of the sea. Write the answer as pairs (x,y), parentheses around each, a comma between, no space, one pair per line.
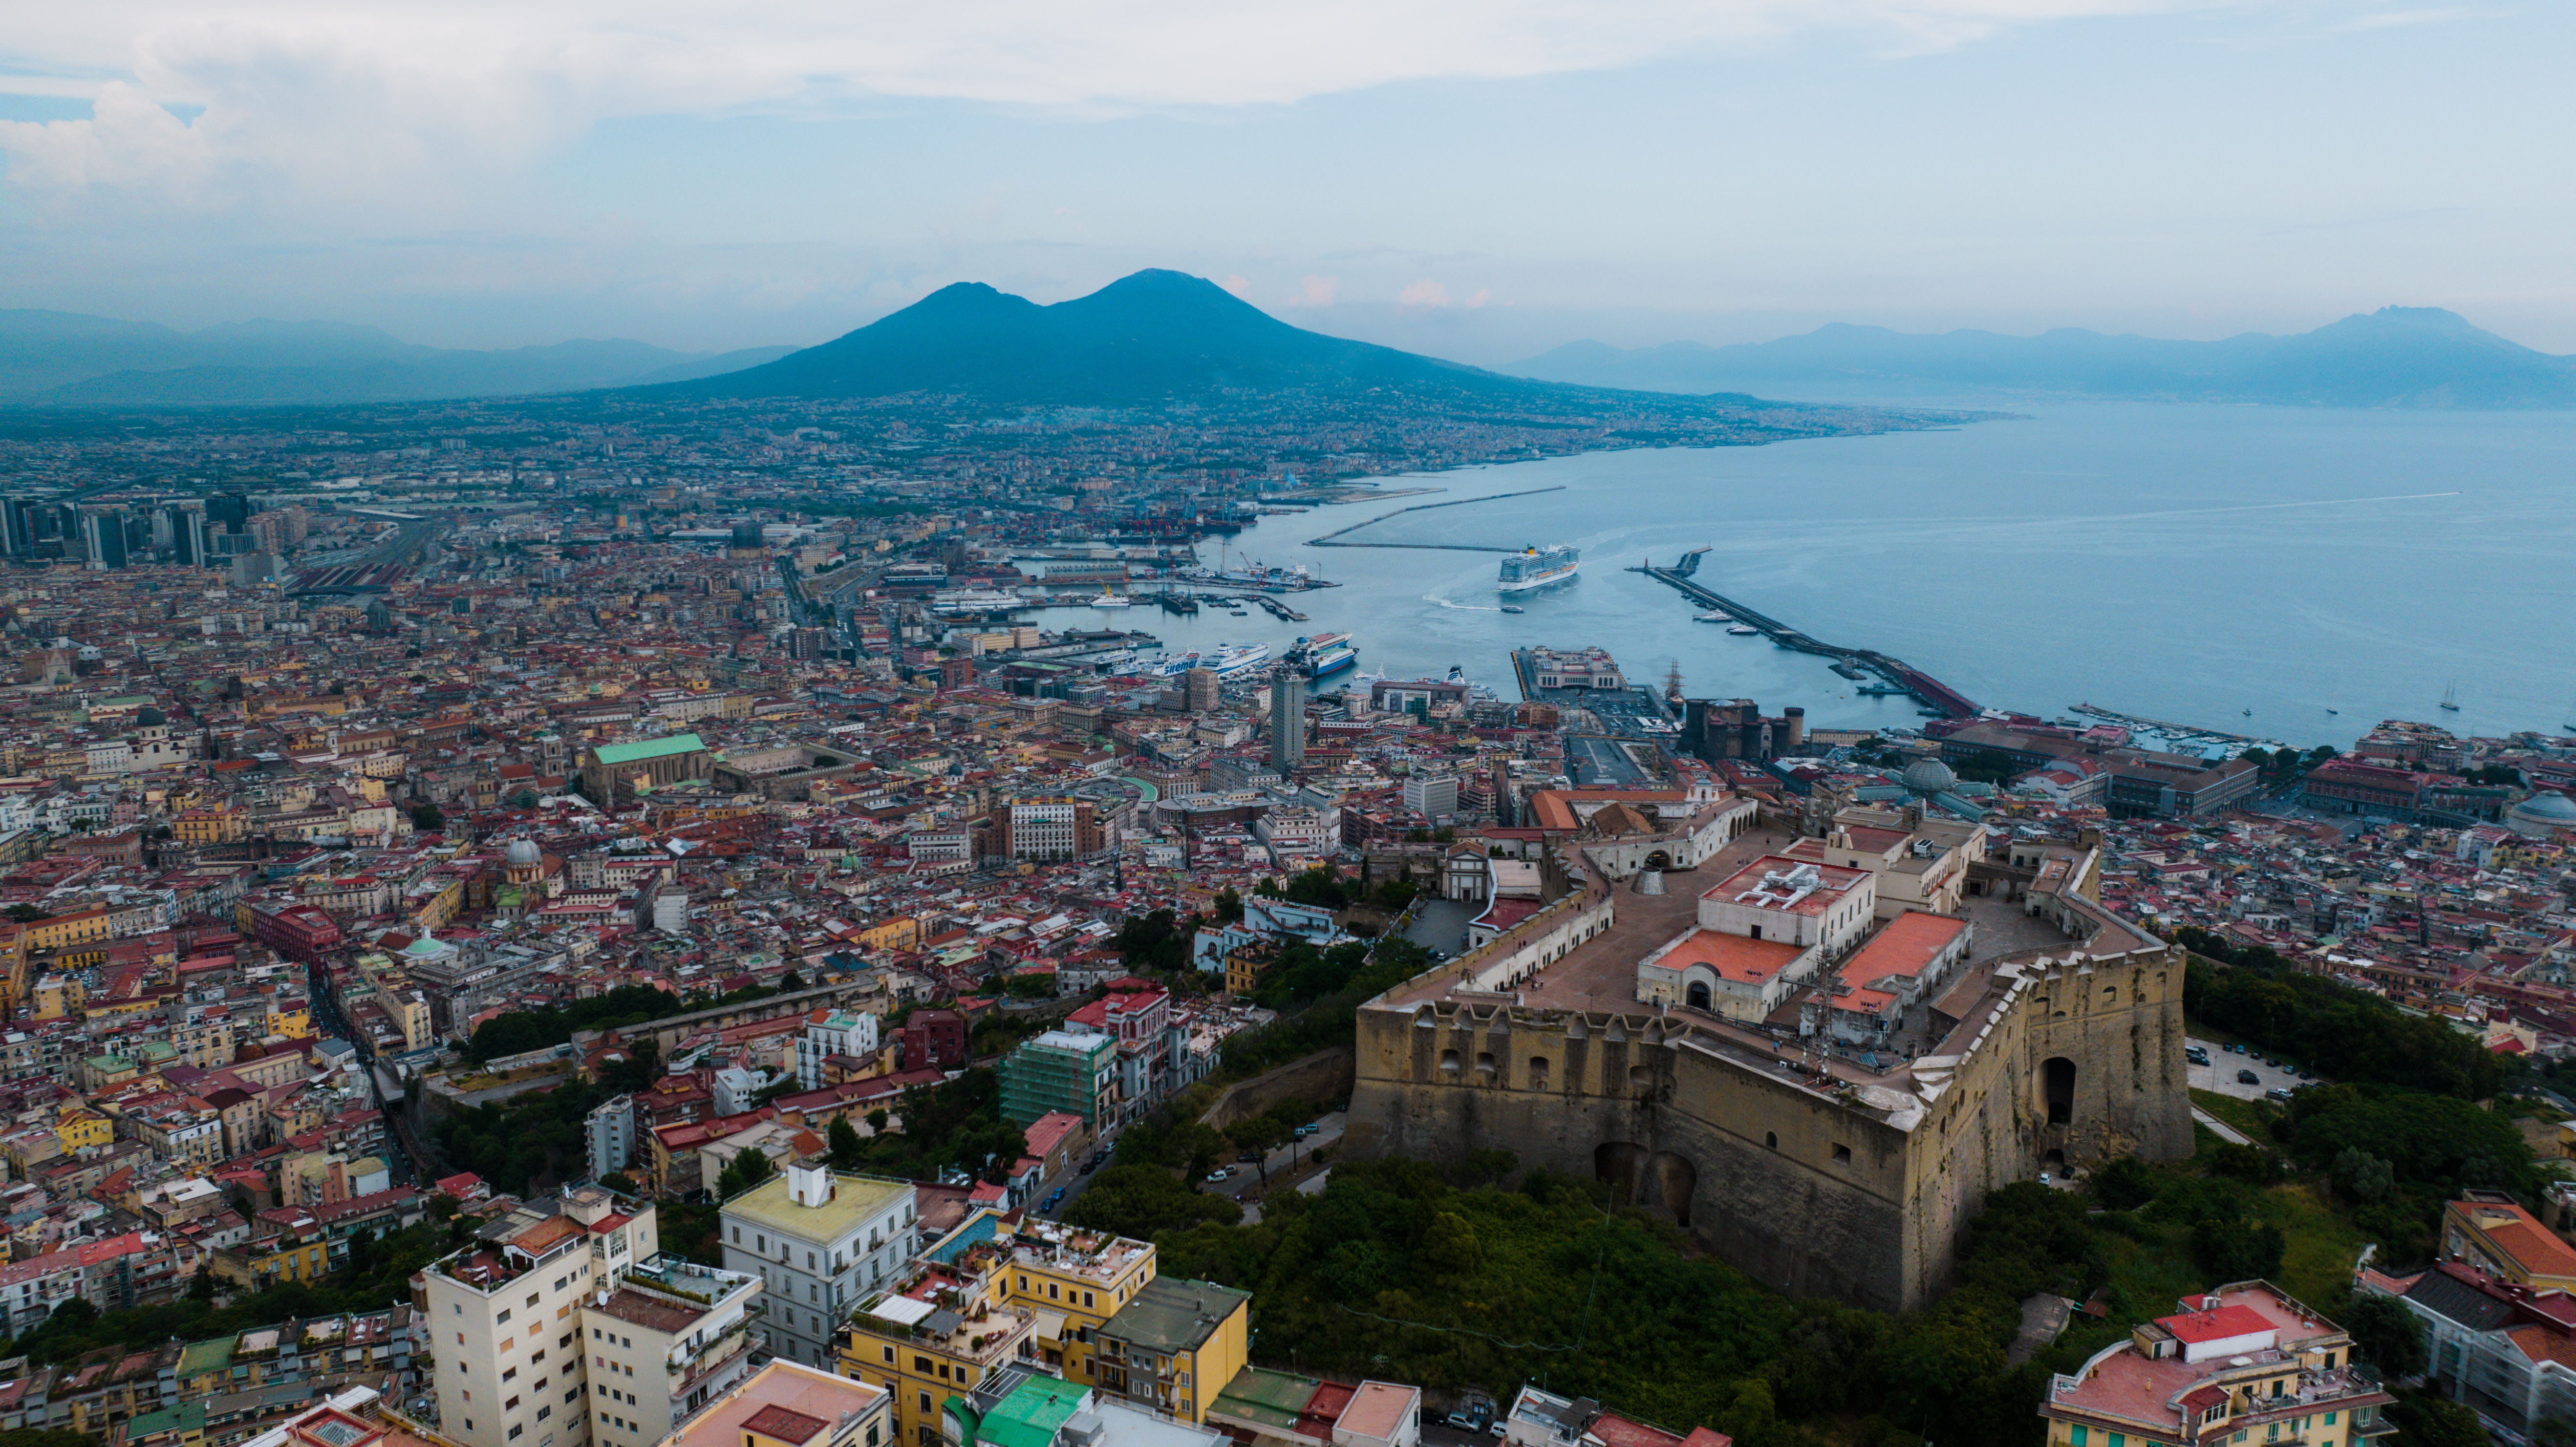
(2288,574)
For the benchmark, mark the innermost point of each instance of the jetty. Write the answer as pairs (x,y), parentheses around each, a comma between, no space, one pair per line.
(1902,677)
(1333,538)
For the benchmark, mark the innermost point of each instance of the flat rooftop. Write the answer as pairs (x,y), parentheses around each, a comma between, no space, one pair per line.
(1784,885)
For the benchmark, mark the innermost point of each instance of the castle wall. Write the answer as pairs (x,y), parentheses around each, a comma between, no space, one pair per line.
(1810,1193)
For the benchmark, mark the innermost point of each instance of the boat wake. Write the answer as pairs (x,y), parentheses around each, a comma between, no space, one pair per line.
(1461,607)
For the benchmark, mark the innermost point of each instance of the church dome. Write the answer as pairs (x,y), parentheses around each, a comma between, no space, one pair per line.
(525,852)
(1929,776)
(2542,812)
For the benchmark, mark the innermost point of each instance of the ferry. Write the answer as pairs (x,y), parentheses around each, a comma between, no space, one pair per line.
(967,601)
(1234,658)
(1112,600)
(1324,654)
(1514,608)
(1536,568)
(1179,664)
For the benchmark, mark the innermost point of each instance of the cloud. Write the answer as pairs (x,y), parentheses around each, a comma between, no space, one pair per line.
(1426,294)
(318,98)
(1316,291)
(1238,286)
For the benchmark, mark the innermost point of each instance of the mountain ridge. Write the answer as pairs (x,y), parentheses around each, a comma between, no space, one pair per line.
(1153,334)
(54,357)
(2393,357)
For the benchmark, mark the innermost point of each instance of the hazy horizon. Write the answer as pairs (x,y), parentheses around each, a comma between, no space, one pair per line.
(1481,183)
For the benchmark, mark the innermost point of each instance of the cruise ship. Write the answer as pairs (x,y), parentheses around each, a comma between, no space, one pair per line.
(1537,567)
(1324,654)
(1234,658)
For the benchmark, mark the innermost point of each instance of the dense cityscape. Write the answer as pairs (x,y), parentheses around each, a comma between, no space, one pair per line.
(634,869)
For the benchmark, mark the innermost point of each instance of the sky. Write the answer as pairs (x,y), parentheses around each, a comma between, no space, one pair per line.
(1479,179)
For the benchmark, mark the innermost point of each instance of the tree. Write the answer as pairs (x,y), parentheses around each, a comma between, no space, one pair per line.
(2237,1250)
(791,981)
(426,818)
(848,1150)
(748,1169)
(877,1119)
(25,913)
(2361,1175)
(2387,1333)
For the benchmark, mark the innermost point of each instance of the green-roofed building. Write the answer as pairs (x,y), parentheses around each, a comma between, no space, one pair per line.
(183,1425)
(615,773)
(1028,1415)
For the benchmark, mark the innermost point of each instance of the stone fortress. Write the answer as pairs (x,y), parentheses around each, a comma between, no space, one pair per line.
(1817,1055)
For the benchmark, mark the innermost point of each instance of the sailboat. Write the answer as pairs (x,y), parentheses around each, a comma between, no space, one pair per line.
(2451,698)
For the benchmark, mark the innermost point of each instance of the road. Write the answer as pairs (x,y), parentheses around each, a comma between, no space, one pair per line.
(1278,1164)
(2220,1074)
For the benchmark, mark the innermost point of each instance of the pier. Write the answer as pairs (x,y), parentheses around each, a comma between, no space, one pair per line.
(1901,677)
(1332,539)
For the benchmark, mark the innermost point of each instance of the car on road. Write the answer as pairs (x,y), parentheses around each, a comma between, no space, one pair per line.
(1248,1158)
(1221,1173)
(2248,1077)
(1054,1200)
(1308,1129)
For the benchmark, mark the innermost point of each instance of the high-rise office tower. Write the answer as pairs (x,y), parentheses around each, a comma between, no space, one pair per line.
(103,535)
(232,509)
(1287,720)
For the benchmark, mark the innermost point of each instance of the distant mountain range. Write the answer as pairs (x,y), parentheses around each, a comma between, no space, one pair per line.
(1150,336)
(2394,357)
(64,357)
(1163,335)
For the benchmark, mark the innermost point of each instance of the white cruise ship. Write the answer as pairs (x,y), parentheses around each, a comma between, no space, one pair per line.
(1234,658)
(1536,568)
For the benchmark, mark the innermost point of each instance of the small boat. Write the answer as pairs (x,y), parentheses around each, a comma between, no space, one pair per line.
(1711,618)
(2249,713)
(2334,710)
(1742,630)
(2450,699)
(1514,608)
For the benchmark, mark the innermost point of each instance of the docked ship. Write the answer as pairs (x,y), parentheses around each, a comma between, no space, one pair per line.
(1234,658)
(1112,600)
(1324,654)
(1178,664)
(969,602)
(1537,567)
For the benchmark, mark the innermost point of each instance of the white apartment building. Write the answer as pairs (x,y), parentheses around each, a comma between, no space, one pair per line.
(656,1353)
(828,1033)
(820,1241)
(565,1326)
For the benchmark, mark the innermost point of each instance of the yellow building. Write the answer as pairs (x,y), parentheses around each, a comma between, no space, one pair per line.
(80,1126)
(87,926)
(295,1024)
(903,932)
(1072,1282)
(288,1256)
(939,1332)
(1175,1345)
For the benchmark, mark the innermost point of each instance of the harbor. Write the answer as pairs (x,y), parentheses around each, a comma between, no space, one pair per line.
(1938,698)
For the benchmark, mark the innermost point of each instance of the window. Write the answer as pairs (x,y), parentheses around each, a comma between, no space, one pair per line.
(459,1307)
(562,1281)
(1086,1300)
(1024,1285)
(1842,1155)
(809,1260)
(921,1365)
(509,1373)
(737,1235)
(2079,1438)
(1771,1138)
(1052,1293)
(925,1401)
(2117,1440)
(511,1405)
(545,1411)
(889,1355)
(532,1298)
(504,1316)
(2330,1419)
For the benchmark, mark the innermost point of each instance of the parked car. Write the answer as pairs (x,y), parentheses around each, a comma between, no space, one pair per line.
(1308,1129)
(2248,1077)
(2277,1093)
(1091,1165)
(1221,1173)
(1462,1421)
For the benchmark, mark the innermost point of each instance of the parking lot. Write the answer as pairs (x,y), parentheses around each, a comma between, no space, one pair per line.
(2219,1074)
